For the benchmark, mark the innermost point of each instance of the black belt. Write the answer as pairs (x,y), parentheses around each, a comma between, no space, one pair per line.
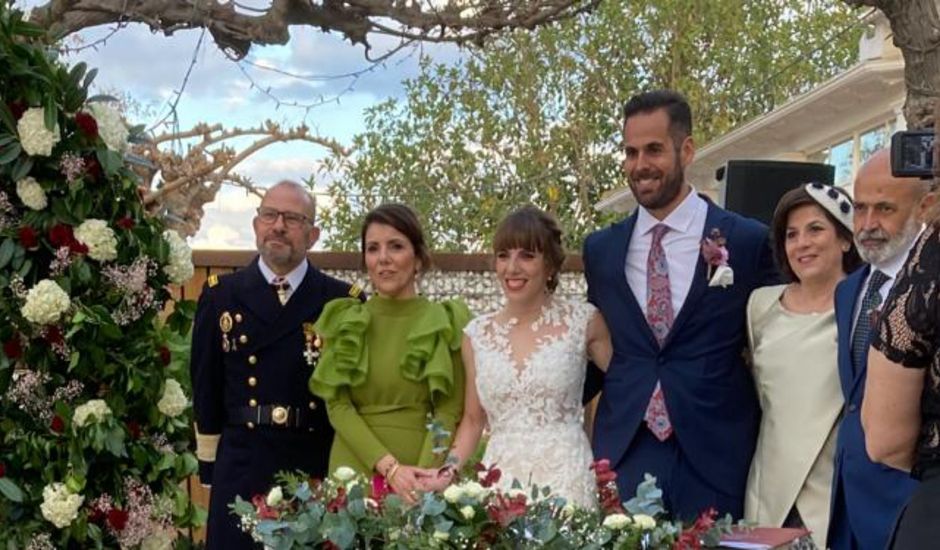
(280,416)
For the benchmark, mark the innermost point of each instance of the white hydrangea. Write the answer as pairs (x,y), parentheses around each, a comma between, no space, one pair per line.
(35,139)
(99,238)
(111,127)
(616,521)
(644,521)
(30,192)
(45,303)
(95,410)
(344,473)
(180,267)
(59,505)
(162,539)
(473,490)
(174,401)
(275,496)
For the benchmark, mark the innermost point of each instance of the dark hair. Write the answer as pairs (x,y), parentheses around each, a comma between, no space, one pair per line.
(790,201)
(403,219)
(675,104)
(530,228)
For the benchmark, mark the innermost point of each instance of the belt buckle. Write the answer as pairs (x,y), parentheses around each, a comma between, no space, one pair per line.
(279,415)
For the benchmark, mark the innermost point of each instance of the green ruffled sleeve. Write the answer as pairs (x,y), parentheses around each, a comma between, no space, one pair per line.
(344,358)
(434,357)
(431,344)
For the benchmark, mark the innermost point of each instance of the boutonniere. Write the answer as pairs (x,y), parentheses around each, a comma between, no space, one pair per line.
(312,344)
(715,255)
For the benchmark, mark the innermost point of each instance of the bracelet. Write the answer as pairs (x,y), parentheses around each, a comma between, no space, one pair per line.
(392,471)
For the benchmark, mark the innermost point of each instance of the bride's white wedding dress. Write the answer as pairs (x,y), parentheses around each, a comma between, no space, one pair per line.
(533,403)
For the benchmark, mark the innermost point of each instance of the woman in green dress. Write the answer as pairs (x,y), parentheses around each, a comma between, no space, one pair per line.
(392,363)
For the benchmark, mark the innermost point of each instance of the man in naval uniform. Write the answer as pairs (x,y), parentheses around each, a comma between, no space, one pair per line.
(253,351)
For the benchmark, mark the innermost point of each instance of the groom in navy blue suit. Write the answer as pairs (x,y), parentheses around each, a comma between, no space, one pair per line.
(678,400)
(867,497)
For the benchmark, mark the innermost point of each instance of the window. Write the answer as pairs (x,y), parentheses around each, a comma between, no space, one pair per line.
(841,156)
(871,141)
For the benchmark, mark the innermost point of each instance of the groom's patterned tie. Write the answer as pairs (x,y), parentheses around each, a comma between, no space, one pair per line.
(282,287)
(870,303)
(659,315)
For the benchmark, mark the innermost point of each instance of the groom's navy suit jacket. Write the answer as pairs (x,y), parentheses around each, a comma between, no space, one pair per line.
(708,389)
(866,497)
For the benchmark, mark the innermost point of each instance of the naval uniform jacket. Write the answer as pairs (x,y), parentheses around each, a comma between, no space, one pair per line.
(254,414)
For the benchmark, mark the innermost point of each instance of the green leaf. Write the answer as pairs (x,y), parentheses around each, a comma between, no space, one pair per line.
(6,252)
(10,152)
(22,167)
(50,113)
(6,117)
(77,72)
(10,490)
(89,78)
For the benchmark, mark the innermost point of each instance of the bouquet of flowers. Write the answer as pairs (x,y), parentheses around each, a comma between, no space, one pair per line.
(350,511)
(94,430)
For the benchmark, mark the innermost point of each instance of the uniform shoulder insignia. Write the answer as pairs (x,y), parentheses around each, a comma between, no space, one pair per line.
(355,291)
(212,280)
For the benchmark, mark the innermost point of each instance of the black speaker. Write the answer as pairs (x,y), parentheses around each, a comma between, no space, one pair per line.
(753,187)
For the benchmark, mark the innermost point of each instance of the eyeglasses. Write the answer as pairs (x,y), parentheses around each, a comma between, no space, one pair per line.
(291,219)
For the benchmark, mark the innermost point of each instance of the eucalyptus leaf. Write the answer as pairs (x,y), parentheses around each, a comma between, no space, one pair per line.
(10,490)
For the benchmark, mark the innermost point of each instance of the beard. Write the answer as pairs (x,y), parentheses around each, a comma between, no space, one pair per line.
(890,247)
(277,256)
(670,187)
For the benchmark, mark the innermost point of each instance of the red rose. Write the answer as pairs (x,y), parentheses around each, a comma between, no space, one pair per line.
(165,355)
(117,519)
(17,108)
(93,168)
(61,235)
(12,348)
(96,515)
(3,469)
(29,238)
(57,425)
(264,511)
(87,124)
(125,223)
(133,427)
(53,335)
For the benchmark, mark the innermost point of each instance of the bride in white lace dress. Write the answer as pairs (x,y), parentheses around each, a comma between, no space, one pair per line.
(526,365)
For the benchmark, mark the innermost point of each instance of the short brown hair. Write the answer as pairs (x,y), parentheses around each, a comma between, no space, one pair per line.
(404,220)
(790,201)
(530,228)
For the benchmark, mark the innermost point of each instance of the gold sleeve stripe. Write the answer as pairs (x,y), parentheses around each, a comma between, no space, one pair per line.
(206,445)
(213,280)
(355,291)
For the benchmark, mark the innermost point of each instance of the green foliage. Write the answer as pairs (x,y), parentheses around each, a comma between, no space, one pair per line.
(110,344)
(535,116)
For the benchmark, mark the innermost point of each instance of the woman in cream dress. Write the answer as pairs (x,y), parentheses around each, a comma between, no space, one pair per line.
(792,334)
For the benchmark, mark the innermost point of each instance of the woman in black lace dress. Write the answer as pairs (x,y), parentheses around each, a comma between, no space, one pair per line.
(901,408)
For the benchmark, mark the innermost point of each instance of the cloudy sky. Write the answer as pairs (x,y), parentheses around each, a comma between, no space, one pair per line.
(151,68)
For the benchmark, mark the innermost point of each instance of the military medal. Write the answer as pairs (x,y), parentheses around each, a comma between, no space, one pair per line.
(312,344)
(225,325)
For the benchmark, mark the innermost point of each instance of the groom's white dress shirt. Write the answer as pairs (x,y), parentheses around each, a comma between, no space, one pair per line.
(682,244)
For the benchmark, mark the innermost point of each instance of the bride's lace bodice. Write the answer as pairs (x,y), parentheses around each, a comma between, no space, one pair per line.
(530,382)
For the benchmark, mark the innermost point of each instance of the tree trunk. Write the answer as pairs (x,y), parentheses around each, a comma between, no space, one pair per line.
(916,28)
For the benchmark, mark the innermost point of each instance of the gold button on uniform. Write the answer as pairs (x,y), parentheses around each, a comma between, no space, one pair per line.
(252,381)
(238,317)
(243,339)
(252,360)
(251,425)
(253,402)
(313,405)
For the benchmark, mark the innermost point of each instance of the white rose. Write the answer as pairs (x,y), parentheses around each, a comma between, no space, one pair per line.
(453,493)
(35,139)
(275,496)
(30,192)
(473,489)
(344,473)
(180,267)
(59,505)
(111,127)
(644,522)
(616,521)
(45,303)
(468,512)
(174,401)
(99,238)
(94,410)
